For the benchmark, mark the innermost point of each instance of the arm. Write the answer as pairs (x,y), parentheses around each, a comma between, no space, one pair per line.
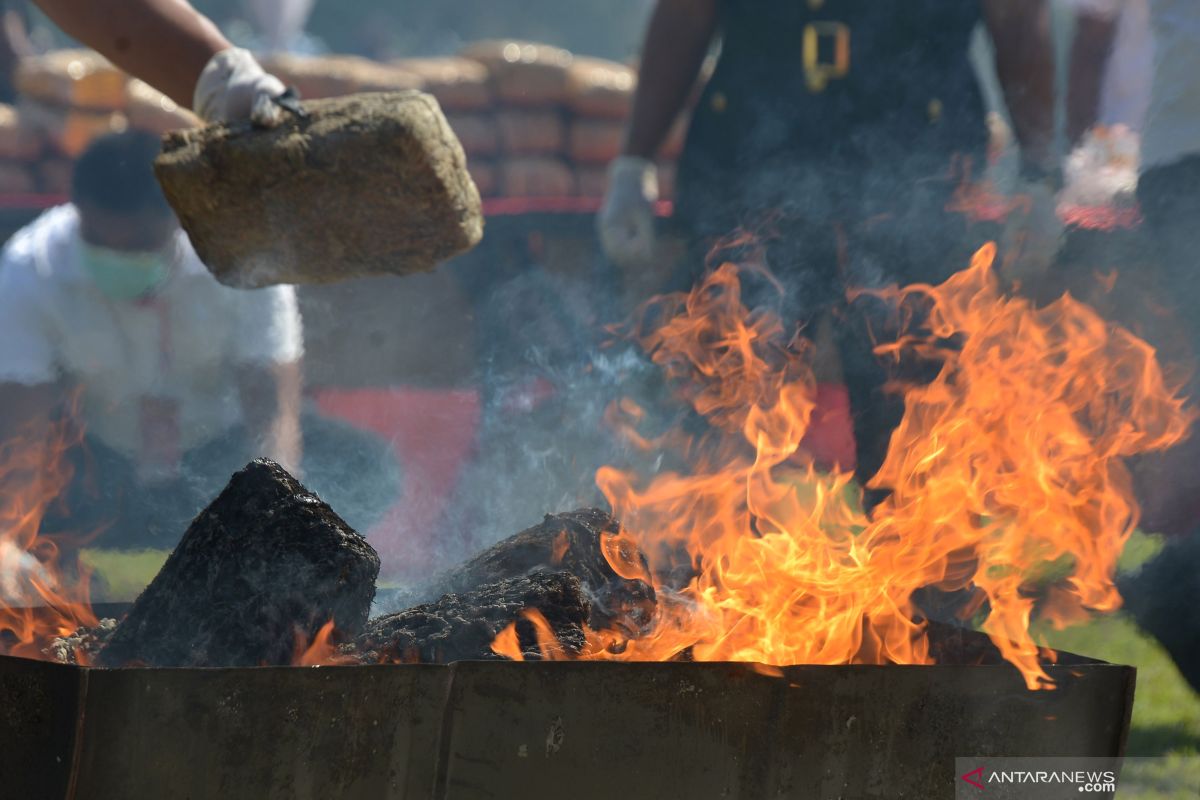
(677,40)
(1024,48)
(271,406)
(167,43)
(1089,53)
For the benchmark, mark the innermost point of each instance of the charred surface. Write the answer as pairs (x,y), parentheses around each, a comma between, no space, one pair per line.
(266,562)
(571,542)
(366,184)
(460,627)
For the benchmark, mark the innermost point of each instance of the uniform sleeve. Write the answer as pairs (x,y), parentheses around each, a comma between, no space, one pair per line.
(269,330)
(1106,9)
(27,352)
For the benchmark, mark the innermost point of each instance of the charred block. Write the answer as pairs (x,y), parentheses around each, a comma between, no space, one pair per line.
(574,542)
(265,563)
(461,627)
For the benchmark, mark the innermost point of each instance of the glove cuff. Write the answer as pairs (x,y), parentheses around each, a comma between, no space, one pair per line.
(215,77)
(636,173)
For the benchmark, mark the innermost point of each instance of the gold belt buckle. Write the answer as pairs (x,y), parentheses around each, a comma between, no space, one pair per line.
(818,73)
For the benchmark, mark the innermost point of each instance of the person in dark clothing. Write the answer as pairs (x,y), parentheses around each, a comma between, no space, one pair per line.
(848,125)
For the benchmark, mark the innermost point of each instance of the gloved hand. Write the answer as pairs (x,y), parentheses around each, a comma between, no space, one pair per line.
(233,87)
(626,220)
(1033,231)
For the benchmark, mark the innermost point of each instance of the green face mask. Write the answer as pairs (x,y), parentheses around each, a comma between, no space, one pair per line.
(121,275)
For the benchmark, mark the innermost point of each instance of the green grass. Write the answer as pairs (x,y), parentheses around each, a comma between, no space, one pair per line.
(1166,712)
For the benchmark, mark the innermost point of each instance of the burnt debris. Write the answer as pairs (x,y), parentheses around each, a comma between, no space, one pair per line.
(461,627)
(574,542)
(265,564)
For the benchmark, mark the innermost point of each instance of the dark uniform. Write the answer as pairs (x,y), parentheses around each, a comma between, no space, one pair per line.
(846,126)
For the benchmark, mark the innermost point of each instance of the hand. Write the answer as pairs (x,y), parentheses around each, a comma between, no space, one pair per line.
(1033,232)
(626,220)
(234,87)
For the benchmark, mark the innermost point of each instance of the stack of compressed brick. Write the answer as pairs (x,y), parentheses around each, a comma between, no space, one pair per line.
(534,120)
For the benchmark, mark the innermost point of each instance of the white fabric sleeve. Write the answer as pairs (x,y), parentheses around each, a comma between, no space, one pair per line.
(269,330)
(27,352)
(1107,9)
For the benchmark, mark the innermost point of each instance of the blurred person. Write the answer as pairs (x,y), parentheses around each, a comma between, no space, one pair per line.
(176,49)
(177,380)
(850,125)
(1167,484)
(1117,34)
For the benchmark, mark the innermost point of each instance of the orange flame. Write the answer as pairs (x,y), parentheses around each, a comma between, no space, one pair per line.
(39,601)
(1006,476)
(322,651)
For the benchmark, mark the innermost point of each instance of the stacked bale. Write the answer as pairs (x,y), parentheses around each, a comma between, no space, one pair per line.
(535,120)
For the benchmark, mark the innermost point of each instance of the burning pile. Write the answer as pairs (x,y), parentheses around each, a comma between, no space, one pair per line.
(1006,486)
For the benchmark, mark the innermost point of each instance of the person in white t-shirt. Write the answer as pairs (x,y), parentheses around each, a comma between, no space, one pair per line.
(176,380)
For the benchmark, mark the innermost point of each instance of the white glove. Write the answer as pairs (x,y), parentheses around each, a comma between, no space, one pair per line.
(1033,232)
(626,220)
(234,87)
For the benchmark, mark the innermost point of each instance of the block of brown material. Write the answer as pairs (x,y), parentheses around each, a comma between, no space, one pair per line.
(477,132)
(70,130)
(530,132)
(576,543)
(459,84)
(77,78)
(18,139)
(317,77)
(151,110)
(16,177)
(600,88)
(369,184)
(591,180)
(525,74)
(460,627)
(536,176)
(595,141)
(266,565)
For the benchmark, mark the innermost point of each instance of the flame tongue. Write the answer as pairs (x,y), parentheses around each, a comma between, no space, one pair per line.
(39,602)
(1006,479)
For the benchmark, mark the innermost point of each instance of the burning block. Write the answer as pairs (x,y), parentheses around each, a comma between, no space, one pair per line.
(365,184)
(267,563)
(462,627)
(575,542)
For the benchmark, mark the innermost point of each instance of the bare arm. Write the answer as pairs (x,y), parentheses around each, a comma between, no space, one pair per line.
(677,40)
(164,42)
(1089,55)
(1021,32)
(271,406)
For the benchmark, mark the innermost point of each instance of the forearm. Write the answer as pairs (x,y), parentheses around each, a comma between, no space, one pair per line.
(1021,33)
(271,405)
(164,42)
(1089,55)
(677,40)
